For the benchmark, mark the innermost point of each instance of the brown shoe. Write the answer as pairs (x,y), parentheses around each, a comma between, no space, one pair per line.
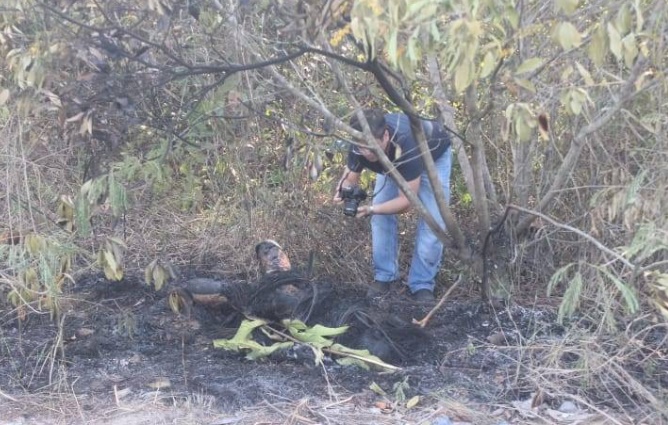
(378,289)
(423,296)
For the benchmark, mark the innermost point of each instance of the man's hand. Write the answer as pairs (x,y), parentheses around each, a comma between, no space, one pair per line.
(349,179)
(364,211)
(337,198)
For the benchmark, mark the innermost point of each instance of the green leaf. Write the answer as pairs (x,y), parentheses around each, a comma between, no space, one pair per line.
(316,335)
(258,351)
(566,74)
(512,16)
(630,49)
(526,84)
(529,65)
(463,77)
(242,341)
(522,129)
(488,64)
(377,389)
(567,6)
(412,402)
(510,111)
(568,36)
(615,41)
(597,46)
(558,277)
(584,74)
(640,21)
(571,299)
(351,361)
(255,350)
(246,328)
(624,20)
(575,106)
(392,46)
(627,292)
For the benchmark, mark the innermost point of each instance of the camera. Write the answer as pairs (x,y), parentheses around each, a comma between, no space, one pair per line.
(352,196)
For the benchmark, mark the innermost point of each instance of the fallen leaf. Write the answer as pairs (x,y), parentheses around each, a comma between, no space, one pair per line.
(377,389)
(412,402)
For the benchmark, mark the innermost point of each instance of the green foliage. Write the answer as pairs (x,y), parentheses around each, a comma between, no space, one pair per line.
(41,267)
(110,258)
(158,273)
(602,294)
(242,341)
(317,337)
(97,195)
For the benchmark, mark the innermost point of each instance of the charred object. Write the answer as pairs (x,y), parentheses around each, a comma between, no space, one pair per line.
(283,293)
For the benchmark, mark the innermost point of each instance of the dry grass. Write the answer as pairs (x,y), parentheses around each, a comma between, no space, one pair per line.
(156,408)
(620,377)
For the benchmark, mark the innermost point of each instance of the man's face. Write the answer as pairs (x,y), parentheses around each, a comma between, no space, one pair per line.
(368,153)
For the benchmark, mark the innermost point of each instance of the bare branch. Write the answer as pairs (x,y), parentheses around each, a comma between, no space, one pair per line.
(579,232)
(423,322)
(448,116)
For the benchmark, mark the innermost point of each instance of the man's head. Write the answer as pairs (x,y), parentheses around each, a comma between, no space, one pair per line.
(378,127)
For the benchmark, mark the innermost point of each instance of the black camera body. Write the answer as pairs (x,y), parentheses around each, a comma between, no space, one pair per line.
(352,196)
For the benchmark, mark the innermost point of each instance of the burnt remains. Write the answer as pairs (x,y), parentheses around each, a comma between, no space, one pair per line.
(283,293)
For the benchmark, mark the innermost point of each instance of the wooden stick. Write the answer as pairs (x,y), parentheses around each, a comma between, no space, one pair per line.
(422,323)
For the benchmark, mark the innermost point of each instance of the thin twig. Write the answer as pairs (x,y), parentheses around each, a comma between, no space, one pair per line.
(422,323)
(577,231)
(8,397)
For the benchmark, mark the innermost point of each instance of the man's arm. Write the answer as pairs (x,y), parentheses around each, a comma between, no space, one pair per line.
(349,179)
(397,205)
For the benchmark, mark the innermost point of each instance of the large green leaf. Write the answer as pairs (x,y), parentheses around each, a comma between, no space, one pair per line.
(615,41)
(529,65)
(316,335)
(488,64)
(568,36)
(630,49)
(242,341)
(463,76)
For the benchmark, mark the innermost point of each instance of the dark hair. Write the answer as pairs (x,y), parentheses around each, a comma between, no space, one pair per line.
(376,120)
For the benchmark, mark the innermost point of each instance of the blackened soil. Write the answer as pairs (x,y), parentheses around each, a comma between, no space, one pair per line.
(120,336)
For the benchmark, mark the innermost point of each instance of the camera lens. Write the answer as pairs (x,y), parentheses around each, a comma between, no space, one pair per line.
(352,196)
(350,207)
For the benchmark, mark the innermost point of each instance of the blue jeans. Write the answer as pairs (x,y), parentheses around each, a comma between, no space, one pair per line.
(385,238)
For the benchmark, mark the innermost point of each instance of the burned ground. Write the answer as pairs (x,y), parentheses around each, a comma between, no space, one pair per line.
(123,336)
